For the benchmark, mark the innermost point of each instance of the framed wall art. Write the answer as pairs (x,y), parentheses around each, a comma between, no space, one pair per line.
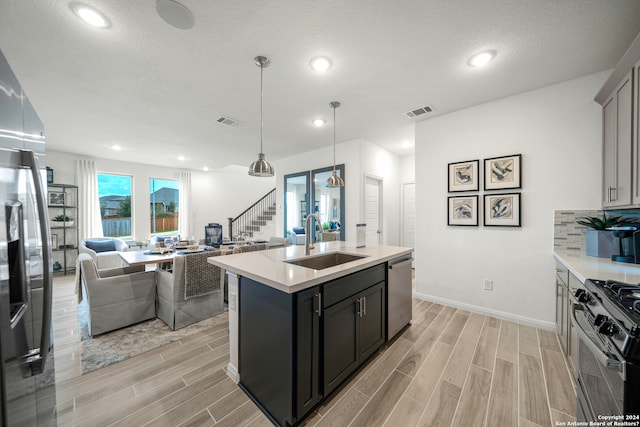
(462,210)
(463,176)
(56,199)
(503,172)
(502,210)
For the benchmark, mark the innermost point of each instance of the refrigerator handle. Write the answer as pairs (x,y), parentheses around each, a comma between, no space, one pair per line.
(39,358)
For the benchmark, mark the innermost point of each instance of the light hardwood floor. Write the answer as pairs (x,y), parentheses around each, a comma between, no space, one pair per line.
(449,368)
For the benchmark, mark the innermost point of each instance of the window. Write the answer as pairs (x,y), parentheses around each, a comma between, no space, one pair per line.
(114,192)
(328,203)
(165,209)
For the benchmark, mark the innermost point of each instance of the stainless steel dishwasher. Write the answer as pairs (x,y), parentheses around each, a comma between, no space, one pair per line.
(399,294)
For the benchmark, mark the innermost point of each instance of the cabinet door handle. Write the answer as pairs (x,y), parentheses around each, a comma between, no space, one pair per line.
(364,303)
(612,190)
(319,309)
(359,312)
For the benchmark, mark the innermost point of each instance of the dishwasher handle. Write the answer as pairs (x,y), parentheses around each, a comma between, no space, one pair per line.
(400,263)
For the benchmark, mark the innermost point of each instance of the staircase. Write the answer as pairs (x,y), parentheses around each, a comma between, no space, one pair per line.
(257,221)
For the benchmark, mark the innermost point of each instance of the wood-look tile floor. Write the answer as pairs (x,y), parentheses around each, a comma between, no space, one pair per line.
(449,368)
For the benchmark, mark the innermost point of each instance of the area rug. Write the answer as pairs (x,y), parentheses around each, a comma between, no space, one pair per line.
(121,344)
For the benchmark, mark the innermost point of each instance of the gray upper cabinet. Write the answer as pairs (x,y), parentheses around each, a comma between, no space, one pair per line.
(620,143)
(636,134)
(617,144)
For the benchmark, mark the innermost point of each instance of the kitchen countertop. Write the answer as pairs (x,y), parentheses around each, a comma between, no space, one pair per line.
(588,267)
(268,266)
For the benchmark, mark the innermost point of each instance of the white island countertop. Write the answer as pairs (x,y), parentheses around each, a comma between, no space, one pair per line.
(269,267)
(588,267)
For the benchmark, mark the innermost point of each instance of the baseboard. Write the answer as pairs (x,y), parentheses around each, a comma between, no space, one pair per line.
(232,372)
(549,326)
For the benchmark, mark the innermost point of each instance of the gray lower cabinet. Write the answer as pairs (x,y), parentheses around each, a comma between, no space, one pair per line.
(562,306)
(294,349)
(566,286)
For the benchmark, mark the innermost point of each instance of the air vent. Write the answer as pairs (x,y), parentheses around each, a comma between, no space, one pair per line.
(419,111)
(227,121)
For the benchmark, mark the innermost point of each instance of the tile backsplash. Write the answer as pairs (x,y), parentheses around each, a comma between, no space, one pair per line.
(568,235)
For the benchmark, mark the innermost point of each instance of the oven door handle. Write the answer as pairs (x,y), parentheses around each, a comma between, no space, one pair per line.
(603,358)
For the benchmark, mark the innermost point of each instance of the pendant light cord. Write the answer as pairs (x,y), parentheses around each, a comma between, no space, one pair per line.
(334,139)
(261,102)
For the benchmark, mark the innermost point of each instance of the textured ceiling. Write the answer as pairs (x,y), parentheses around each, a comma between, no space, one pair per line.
(157,90)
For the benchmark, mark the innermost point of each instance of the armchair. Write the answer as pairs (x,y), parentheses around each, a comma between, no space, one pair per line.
(116,297)
(250,248)
(298,235)
(104,251)
(191,292)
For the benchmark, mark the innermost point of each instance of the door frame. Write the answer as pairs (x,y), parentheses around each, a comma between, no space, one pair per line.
(402,218)
(312,182)
(307,175)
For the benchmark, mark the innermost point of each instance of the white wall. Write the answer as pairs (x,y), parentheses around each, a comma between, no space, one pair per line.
(558,131)
(380,163)
(215,195)
(360,157)
(407,168)
(225,193)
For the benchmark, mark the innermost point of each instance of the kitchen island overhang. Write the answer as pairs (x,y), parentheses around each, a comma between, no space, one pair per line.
(270,267)
(274,274)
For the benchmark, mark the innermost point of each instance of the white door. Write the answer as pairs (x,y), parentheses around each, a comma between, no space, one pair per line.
(409,214)
(372,210)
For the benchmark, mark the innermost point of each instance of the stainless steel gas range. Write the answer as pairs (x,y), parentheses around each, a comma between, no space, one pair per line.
(606,315)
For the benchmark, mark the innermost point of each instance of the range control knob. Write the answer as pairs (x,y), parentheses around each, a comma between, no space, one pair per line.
(608,329)
(582,296)
(600,319)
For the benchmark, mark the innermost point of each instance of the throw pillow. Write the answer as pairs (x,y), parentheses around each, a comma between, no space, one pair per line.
(100,245)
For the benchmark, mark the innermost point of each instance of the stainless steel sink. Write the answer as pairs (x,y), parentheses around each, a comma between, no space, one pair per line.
(321,262)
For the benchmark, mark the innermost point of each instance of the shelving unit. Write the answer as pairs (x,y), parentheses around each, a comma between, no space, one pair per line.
(62,200)
(303,211)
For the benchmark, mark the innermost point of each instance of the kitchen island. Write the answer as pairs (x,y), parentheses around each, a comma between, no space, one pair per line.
(296,332)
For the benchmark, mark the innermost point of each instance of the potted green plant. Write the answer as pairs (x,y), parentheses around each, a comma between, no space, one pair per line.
(62,221)
(599,239)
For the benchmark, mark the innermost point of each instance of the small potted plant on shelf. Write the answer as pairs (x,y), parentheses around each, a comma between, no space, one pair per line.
(62,221)
(599,239)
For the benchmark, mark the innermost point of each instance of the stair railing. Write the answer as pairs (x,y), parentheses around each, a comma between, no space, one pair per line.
(251,217)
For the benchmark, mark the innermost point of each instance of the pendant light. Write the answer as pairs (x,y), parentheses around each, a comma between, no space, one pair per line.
(334,180)
(261,167)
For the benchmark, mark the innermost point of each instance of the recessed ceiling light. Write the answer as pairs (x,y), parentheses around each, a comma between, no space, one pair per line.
(481,59)
(90,15)
(116,147)
(320,63)
(406,144)
(206,169)
(318,122)
(181,158)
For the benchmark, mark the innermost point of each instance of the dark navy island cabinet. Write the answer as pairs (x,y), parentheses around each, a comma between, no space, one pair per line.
(295,349)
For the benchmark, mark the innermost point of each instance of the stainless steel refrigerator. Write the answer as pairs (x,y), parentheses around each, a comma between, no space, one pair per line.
(27,374)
